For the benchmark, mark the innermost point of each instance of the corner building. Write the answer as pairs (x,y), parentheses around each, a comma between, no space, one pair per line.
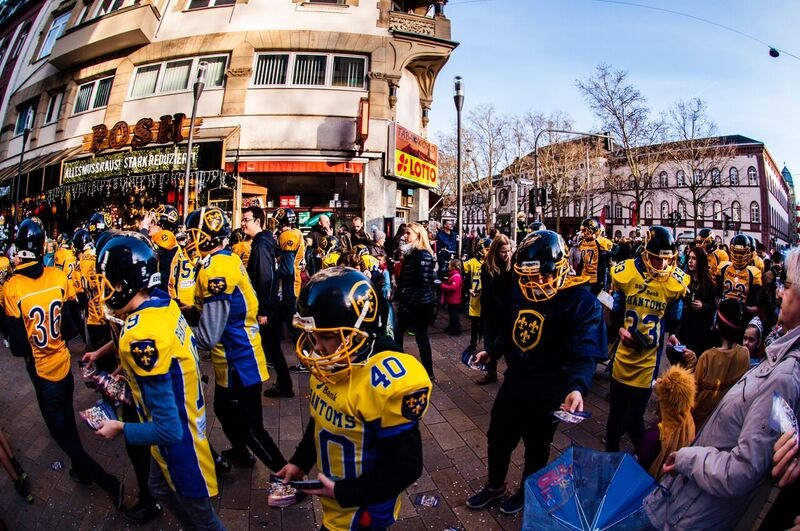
(317,105)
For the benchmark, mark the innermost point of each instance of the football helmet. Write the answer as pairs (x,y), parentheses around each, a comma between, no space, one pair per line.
(237,236)
(98,222)
(591,228)
(360,250)
(285,217)
(706,239)
(167,217)
(741,251)
(64,240)
(541,265)
(483,248)
(81,241)
(125,265)
(104,238)
(659,244)
(30,239)
(207,227)
(340,303)
(536,225)
(327,245)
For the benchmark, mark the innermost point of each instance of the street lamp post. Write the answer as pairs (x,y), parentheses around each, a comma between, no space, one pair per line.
(199,84)
(458,98)
(536,158)
(25,134)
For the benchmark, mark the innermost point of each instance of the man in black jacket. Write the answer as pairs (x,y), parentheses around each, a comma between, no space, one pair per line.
(261,270)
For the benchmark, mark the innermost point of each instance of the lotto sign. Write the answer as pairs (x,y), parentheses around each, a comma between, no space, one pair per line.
(412,158)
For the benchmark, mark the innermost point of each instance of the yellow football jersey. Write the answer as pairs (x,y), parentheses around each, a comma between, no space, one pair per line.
(242,250)
(181,278)
(293,250)
(472,275)
(370,262)
(758,262)
(736,283)
(715,260)
(646,302)
(223,276)
(87,265)
(5,271)
(331,260)
(64,259)
(157,342)
(385,395)
(39,302)
(590,255)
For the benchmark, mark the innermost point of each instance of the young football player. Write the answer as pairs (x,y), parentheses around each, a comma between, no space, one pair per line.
(707,239)
(472,277)
(43,327)
(159,358)
(552,347)
(366,402)
(739,279)
(648,293)
(595,251)
(229,329)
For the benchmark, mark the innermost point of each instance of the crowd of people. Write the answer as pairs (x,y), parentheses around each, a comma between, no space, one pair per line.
(147,306)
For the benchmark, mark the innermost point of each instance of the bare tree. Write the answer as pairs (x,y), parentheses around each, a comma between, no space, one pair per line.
(623,111)
(447,190)
(487,141)
(699,155)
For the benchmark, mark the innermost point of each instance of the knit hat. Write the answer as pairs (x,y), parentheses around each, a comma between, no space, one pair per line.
(378,235)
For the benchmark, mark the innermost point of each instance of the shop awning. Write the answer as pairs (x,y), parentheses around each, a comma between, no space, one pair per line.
(295,166)
(36,163)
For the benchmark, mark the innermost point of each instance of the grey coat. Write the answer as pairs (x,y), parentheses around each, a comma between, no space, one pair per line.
(732,454)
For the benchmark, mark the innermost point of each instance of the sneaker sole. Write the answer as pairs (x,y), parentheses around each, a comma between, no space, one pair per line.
(509,513)
(487,502)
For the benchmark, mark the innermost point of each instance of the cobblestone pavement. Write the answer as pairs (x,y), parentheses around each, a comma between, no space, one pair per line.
(454,446)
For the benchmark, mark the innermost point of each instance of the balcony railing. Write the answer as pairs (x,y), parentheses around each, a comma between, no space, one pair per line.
(119,30)
(436,27)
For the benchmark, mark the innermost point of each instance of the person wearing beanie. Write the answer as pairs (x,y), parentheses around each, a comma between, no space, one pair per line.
(721,367)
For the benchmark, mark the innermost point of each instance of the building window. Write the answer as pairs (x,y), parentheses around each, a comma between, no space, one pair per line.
(177,76)
(663,179)
(23,34)
(316,70)
(736,211)
(25,117)
(631,182)
(752,176)
(755,214)
(733,174)
(697,178)
(680,178)
(618,210)
(93,95)
(197,4)
(56,30)
(576,208)
(53,107)
(682,209)
(717,211)
(664,210)
(716,180)
(109,6)
(648,210)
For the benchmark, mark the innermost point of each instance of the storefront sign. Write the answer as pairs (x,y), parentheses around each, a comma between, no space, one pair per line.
(143,161)
(167,130)
(412,157)
(289,201)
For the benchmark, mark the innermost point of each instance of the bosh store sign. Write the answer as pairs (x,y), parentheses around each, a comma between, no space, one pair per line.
(412,158)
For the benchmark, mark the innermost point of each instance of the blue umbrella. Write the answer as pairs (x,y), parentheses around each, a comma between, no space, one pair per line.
(588,490)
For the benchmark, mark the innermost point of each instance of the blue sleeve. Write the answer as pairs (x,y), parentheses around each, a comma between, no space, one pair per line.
(588,344)
(165,428)
(672,316)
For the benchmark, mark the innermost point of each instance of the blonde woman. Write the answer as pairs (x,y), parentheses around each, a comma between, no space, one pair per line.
(415,293)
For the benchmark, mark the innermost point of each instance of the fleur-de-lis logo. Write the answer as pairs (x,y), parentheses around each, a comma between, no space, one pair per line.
(362,294)
(528,329)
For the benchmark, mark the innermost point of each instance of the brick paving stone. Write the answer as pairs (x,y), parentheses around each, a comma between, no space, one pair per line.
(432,416)
(433,457)
(458,420)
(425,482)
(446,436)
(469,465)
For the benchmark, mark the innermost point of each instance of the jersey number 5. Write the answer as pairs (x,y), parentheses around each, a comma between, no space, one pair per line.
(46,324)
(393,368)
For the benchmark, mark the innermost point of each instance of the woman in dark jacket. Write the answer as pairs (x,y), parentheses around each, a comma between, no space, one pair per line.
(496,283)
(415,293)
(699,305)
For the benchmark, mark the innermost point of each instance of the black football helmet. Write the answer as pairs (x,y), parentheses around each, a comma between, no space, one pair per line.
(706,239)
(340,301)
(536,225)
(98,222)
(360,250)
(167,217)
(541,265)
(483,248)
(741,251)
(81,241)
(591,228)
(64,240)
(207,227)
(327,245)
(125,266)
(30,239)
(285,217)
(660,244)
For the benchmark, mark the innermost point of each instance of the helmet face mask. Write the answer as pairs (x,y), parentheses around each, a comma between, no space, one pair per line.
(591,228)
(706,239)
(741,251)
(337,311)
(660,253)
(541,265)
(483,249)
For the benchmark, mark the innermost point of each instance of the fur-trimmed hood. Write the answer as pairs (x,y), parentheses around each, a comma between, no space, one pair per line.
(675,391)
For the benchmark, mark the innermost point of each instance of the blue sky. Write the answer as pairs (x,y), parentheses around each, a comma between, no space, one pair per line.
(524,55)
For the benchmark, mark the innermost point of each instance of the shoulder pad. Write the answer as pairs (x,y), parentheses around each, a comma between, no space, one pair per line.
(624,271)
